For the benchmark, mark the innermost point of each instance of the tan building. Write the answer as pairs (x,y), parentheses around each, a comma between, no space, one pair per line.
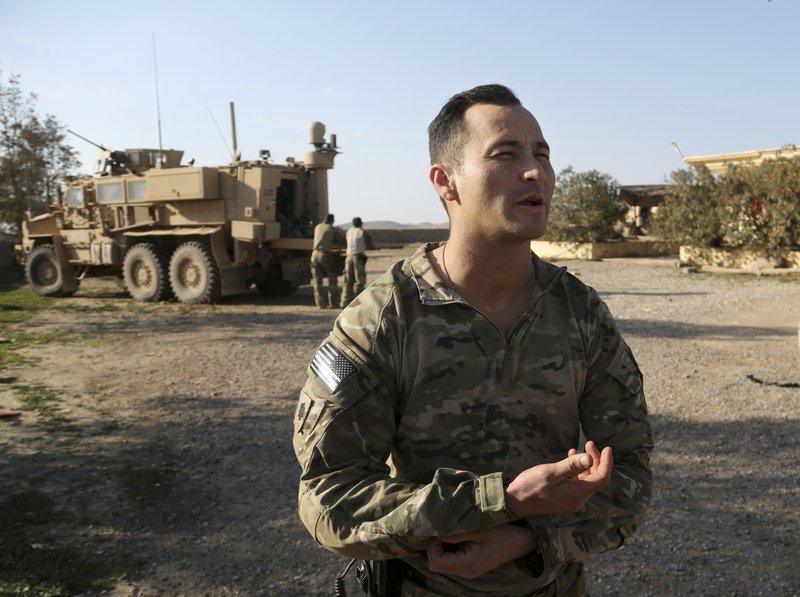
(718,163)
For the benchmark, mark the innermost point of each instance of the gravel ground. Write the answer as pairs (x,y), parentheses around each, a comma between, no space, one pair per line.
(201,400)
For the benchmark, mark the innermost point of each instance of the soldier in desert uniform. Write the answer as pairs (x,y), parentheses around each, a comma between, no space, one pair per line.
(323,264)
(358,241)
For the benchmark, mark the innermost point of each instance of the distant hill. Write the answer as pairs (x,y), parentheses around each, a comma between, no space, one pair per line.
(389,225)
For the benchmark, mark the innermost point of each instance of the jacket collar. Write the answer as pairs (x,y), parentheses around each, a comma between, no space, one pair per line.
(433,290)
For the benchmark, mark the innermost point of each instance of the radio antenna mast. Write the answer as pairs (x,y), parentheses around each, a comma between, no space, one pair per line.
(158,105)
(219,130)
(236,155)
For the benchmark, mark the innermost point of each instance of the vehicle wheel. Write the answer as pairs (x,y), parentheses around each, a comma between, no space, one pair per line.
(43,272)
(272,284)
(194,274)
(145,273)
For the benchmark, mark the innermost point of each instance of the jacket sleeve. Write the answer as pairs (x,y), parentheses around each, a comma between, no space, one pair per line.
(348,499)
(613,413)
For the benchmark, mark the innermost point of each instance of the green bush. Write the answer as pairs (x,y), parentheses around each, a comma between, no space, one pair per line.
(764,206)
(586,207)
(756,208)
(691,213)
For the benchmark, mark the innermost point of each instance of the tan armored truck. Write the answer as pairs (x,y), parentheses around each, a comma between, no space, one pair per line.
(195,233)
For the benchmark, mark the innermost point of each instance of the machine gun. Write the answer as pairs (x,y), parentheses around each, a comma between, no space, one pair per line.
(109,163)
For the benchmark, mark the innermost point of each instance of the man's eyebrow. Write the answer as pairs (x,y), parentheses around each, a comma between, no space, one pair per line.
(513,142)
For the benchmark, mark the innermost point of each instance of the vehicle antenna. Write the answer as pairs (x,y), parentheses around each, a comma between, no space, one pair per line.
(158,105)
(233,134)
(219,130)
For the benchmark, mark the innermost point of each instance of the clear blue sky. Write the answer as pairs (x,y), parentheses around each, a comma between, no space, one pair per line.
(613,84)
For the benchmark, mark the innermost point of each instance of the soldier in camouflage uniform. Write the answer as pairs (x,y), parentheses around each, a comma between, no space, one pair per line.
(323,264)
(445,419)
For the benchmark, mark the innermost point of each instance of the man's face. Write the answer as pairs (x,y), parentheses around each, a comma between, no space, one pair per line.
(505,180)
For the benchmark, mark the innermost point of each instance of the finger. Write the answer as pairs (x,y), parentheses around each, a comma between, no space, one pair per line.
(439,554)
(435,551)
(572,452)
(460,538)
(573,465)
(591,450)
(606,463)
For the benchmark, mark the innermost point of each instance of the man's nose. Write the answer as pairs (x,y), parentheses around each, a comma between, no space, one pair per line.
(534,170)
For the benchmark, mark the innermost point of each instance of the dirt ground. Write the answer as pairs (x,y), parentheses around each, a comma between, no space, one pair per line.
(166,452)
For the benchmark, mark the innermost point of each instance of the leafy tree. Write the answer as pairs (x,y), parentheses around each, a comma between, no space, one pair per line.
(756,208)
(764,206)
(586,207)
(692,212)
(33,154)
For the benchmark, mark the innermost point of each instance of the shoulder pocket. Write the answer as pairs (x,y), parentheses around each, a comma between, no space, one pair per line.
(307,414)
(337,376)
(625,370)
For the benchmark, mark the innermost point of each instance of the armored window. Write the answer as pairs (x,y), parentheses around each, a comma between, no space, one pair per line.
(135,158)
(137,189)
(74,197)
(111,192)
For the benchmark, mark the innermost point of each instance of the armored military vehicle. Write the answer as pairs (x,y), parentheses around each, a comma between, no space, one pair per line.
(172,230)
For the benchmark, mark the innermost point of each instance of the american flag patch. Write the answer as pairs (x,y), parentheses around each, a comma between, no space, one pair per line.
(331,366)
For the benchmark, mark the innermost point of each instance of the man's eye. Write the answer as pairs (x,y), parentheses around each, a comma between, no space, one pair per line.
(542,156)
(504,154)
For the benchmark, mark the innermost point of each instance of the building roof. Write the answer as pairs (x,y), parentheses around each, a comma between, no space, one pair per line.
(643,195)
(719,162)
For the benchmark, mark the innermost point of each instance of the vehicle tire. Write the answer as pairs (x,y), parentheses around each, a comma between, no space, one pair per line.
(194,274)
(43,272)
(145,273)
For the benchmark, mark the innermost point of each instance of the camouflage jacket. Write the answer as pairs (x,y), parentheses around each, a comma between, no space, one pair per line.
(417,407)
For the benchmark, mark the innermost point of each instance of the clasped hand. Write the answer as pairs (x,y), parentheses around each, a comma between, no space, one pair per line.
(470,555)
(559,488)
(562,487)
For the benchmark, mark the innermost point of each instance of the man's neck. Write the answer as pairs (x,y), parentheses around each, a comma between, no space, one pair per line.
(485,272)
(499,284)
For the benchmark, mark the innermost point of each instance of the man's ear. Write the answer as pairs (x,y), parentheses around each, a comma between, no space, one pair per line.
(442,180)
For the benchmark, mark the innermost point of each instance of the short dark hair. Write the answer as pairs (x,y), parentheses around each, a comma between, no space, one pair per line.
(329,219)
(446,131)
(357,222)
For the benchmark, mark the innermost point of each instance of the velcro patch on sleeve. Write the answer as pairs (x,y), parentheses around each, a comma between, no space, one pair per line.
(332,367)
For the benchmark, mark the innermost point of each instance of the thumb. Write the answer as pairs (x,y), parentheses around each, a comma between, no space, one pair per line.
(460,538)
(574,465)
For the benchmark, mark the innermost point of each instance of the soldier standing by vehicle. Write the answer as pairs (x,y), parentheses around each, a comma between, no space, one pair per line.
(323,264)
(355,272)
(475,418)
